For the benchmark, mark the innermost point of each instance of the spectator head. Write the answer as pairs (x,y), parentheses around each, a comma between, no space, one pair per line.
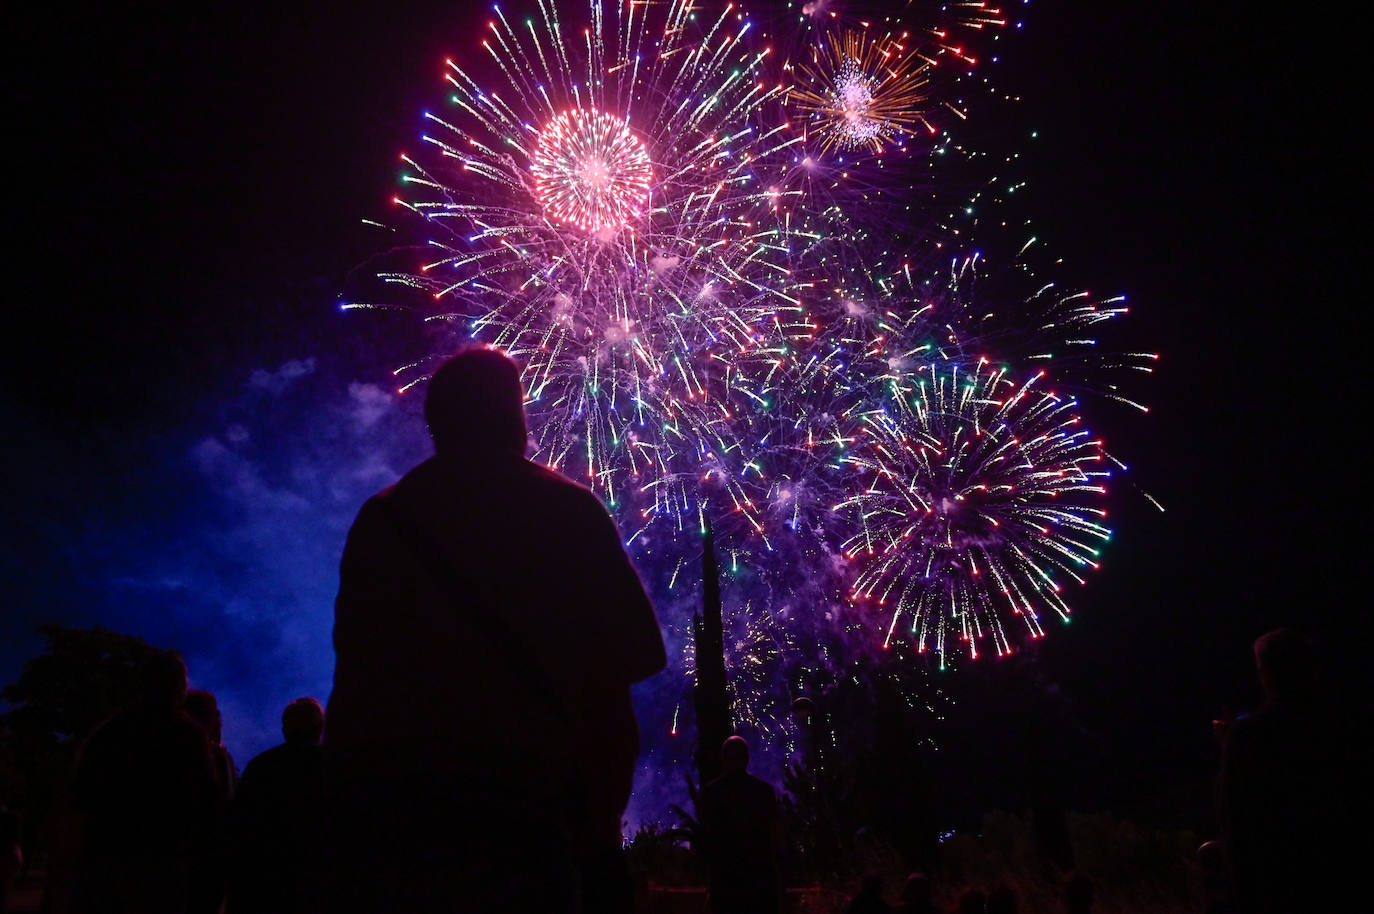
(204,710)
(302,723)
(1286,663)
(917,891)
(734,755)
(162,681)
(476,403)
(1078,894)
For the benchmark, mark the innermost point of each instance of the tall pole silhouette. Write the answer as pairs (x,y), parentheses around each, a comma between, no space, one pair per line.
(709,695)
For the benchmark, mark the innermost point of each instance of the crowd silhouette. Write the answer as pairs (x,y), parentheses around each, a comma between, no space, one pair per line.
(166,829)
(478,747)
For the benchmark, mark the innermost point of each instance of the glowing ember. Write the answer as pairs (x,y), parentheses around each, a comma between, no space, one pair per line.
(590,171)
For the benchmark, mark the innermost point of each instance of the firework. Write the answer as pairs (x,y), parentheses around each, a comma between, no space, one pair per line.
(590,171)
(974,306)
(980,495)
(733,302)
(862,92)
(869,80)
(889,312)
(602,211)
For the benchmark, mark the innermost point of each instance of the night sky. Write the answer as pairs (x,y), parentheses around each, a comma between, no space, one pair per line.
(190,423)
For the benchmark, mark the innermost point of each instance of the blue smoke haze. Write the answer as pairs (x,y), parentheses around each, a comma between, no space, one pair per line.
(222,539)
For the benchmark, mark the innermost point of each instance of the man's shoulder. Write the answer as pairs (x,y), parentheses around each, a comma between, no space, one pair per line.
(267,761)
(741,782)
(268,756)
(760,786)
(375,508)
(539,474)
(437,473)
(557,495)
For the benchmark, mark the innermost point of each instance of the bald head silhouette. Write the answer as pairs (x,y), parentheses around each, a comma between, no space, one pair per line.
(303,722)
(1287,664)
(476,404)
(734,755)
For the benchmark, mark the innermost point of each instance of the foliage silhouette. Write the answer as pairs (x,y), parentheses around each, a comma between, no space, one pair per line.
(81,678)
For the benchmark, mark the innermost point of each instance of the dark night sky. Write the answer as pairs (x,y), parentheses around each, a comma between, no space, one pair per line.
(187,186)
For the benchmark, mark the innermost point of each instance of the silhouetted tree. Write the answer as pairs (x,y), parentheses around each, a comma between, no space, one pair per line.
(865,772)
(711,695)
(82,677)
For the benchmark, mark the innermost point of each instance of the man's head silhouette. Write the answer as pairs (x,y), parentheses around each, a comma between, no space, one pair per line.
(204,710)
(1286,662)
(476,404)
(162,680)
(734,755)
(302,723)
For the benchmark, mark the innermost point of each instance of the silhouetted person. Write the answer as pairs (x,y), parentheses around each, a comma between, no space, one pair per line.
(278,820)
(1277,771)
(146,785)
(869,898)
(972,901)
(917,895)
(208,876)
(482,739)
(1078,894)
(204,710)
(740,836)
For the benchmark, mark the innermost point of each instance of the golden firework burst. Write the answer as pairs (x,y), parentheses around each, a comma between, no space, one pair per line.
(859,91)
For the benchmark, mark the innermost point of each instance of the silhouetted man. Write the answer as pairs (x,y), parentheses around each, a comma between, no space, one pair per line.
(207,888)
(488,626)
(146,785)
(202,707)
(741,835)
(277,823)
(1278,772)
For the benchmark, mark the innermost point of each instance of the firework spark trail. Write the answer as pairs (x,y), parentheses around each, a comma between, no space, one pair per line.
(758,647)
(974,307)
(940,29)
(962,306)
(980,495)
